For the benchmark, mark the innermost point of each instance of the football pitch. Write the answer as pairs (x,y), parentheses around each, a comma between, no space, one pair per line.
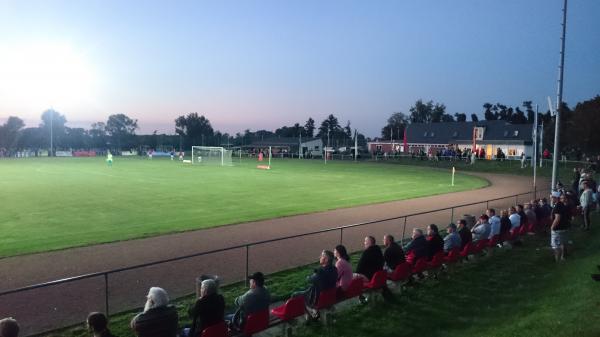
(54,203)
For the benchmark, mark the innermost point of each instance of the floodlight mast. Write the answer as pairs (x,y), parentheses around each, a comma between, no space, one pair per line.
(560,97)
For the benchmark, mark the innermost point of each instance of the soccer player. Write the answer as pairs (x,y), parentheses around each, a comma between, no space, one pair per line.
(109,159)
(180,155)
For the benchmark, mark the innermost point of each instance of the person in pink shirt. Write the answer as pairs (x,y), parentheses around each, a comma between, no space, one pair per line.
(343,266)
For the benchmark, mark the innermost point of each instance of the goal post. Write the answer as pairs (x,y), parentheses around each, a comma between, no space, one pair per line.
(211,155)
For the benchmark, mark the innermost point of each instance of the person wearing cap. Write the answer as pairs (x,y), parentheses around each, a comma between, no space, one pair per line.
(452,239)
(9,327)
(159,319)
(482,228)
(208,310)
(465,234)
(257,298)
(97,324)
(559,226)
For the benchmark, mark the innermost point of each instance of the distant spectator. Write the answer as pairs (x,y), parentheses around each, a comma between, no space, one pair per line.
(515,219)
(505,224)
(97,324)
(546,208)
(530,214)
(9,327)
(435,243)
(464,232)
(343,266)
(159,319)
(208,310)
(452,239)
(393,254)
(560,224)
(522,217)
(257,298)
(482,228)
(586,204)
(371,260)
(417,247)
(323,278)
(494,221)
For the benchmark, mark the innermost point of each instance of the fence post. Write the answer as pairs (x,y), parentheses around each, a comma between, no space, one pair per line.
(247,265)
(106,293)
(487,204)
(341,235)
(451,214)
(516,200)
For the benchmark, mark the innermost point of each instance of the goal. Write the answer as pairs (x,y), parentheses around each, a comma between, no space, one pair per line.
(211,155)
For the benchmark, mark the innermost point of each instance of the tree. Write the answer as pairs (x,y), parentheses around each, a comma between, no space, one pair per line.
(395,125)
(446,118)
(51,118)
(488,114)
(582,130)
(195,130)
(10,131)
(98,135)
(309,127)
(331,127)
(474,118)
(426,112)
(529,111)
(121,129)
(460,117)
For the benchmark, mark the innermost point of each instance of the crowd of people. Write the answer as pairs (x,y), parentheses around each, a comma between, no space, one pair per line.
(160,318)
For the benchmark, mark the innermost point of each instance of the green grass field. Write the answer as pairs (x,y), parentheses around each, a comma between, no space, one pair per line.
(55,203)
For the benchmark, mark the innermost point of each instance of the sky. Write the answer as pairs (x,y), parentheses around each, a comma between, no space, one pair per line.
(263,64)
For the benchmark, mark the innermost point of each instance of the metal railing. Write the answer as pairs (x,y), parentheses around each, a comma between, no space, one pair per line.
(348,232)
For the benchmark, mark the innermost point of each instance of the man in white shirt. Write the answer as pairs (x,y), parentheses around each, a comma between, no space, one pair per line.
(494,222)
(515,218)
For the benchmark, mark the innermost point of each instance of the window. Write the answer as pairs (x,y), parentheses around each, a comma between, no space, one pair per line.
(432,134)
(516,133)
(425,134)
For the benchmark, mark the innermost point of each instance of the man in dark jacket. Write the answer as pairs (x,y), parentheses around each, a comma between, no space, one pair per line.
(417,247)
(435,243)
(323,278)
(208,310)
(371,260)
(256,299)
(393,254)
(464,232)
(159,319)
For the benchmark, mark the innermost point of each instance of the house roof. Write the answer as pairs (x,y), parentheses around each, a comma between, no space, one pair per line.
(280,141)
(496,132)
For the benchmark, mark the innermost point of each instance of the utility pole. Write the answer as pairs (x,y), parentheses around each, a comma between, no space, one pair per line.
(560,97)
(51,132)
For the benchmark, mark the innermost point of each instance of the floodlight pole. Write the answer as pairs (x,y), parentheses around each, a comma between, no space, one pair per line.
(51,131)
(534,155)
(560,97)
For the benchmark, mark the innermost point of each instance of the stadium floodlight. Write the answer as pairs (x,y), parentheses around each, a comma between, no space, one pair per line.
(211,155)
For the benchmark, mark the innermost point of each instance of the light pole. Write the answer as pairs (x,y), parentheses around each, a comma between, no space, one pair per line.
(560,96)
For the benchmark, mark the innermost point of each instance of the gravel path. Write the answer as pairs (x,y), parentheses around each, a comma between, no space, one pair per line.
(46,308)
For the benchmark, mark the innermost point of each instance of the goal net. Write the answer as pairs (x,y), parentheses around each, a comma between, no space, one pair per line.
(211,155)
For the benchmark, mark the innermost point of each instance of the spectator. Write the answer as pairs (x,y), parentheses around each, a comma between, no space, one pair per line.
(505,224)
(452,239)
(323,278)
(97,324)
(530,214)
(494,221)
(208,310)
(522,217)
(546,208)
(560,224)
(435,243)
(393,254)
(343,266)
(417,247)
(257,298)
(158,318)
(515,219)
(482,228)
(464,232)
(371,260)
(586,202)
(9,327)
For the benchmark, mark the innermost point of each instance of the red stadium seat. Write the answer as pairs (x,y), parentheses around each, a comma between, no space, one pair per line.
(494,241)
(467,249)
(523,230)
(292,308)
(514,234)
(437,260)
(216,330)
(480,246)
(531,227)
(452,256)
(401,273)
(354,289)
(377,281)
(327,298)
(256,322)
(420,266)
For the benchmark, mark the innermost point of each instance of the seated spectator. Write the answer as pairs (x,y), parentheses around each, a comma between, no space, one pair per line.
(208,310)
(494,221)
(343,266)
(464,232)
(323,278)
(546,208)
(482,228)
(393,254)
(97,324)
(435,243)
(9,327)
(257,298)
(530,214)
(452,239)
(515,219)
(158,318)
(417,247)
(371,260)
(521,212)
(505,224)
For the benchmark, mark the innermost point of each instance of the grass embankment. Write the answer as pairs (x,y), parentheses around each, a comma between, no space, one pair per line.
(55,203)
(514,292)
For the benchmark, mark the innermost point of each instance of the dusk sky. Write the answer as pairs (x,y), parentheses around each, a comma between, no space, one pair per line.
(265,64)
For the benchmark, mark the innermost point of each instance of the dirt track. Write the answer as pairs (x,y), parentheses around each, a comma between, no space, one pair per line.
(43,309)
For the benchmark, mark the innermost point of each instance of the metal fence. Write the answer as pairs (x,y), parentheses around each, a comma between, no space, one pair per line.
(65,302)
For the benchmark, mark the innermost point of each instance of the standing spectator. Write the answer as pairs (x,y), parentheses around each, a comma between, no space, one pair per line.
(257,298)
(435,243)
(494,221)
(515,218)
(576,178)
(417,247)
(323,278)
(159,319)
(371,260)
(586,203)
(560,224)
(97,324)
(208,310)
(546,209)
(452,239)
(343,266)
(482,228)
(464,232)
(393,254)
(9,327)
